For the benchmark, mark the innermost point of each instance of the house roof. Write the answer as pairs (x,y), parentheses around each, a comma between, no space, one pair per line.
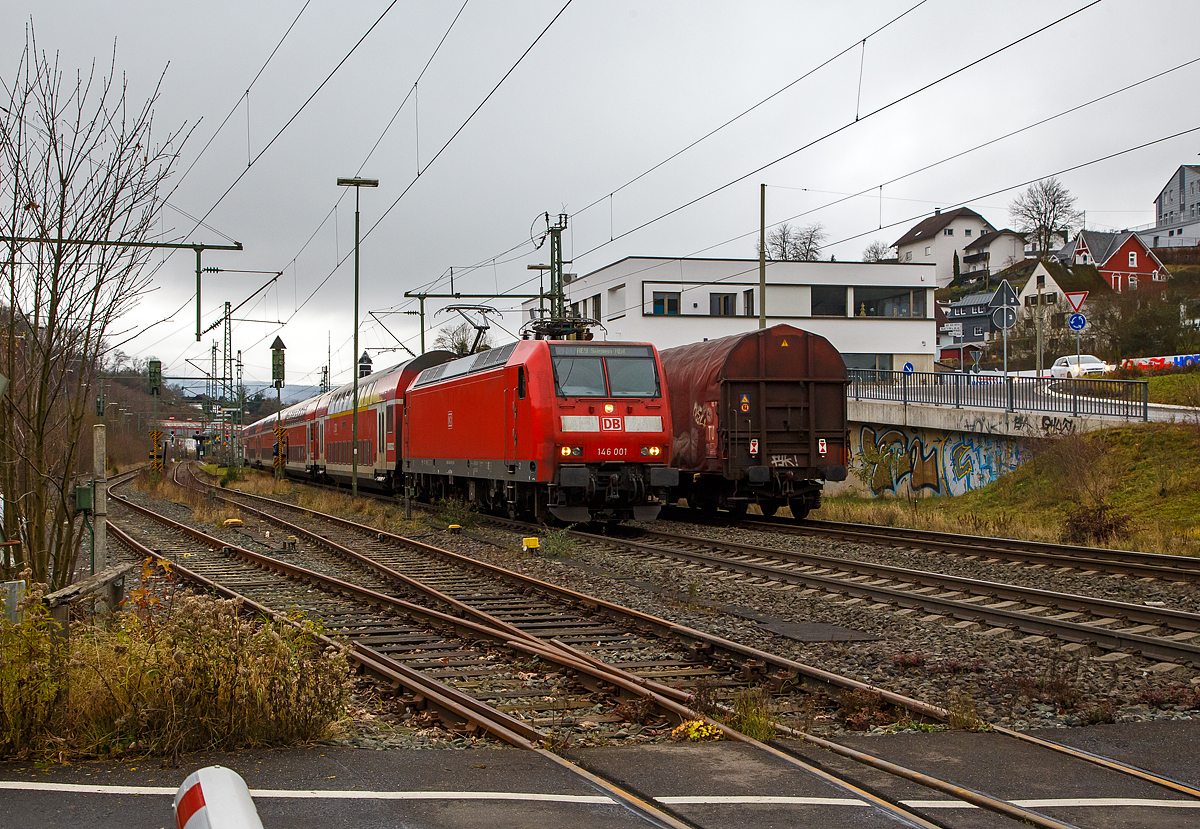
(974,299)
(987,238)
(1101,246)
(1073,278)
(930,226)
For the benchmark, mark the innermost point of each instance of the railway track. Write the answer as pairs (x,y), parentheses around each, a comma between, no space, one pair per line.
(1156,633)
(239,572)
(666,694)
(1084,559)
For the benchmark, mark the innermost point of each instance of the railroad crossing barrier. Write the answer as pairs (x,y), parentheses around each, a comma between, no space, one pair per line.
(215,798)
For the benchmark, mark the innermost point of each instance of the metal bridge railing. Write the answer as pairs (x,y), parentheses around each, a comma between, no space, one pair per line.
(1114,398)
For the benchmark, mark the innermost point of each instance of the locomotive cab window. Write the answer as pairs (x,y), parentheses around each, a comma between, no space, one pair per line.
(604,371)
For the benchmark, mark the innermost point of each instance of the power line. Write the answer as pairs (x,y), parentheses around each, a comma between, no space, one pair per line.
(844,127)
(235,106)
(744,113)
(436,155)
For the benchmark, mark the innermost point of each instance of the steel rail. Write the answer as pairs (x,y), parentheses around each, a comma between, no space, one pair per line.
(927,709)
(976,798)
(1180,619)
(967,611)
(557,653)
(494,630)
(1174,568)
(444,698)
(703,644)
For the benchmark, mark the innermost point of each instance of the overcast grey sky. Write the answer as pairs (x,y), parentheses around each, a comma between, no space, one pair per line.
(610,90)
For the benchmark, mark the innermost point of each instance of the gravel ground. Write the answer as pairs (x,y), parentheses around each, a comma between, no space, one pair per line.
(1011,680)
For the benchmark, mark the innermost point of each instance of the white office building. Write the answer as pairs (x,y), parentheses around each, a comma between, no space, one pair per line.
(878,315)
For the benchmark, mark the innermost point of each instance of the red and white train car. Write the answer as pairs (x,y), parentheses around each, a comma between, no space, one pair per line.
(577,431)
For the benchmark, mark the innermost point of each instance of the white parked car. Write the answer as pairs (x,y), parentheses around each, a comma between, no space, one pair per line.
(1084,365)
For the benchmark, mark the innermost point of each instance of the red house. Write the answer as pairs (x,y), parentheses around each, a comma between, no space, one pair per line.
(1122,259)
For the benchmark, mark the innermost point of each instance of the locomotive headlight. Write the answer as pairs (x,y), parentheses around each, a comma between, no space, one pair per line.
(652,451)
(565,451)
(570,451)
(608,408)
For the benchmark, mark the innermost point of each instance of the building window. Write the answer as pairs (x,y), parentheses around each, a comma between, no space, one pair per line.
(927,250)
(908,256)
(666,303)
(829,300)
(967,232)
(722,305)
(1133,258)
(748,302)
(1132,283)
(949,231)
(596,307)
(870,362)
(889,302)
(979,331)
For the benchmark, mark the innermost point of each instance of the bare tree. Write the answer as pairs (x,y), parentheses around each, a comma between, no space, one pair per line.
(79,164)
(459,339)
(1046,209)
(877,251)
(791,244)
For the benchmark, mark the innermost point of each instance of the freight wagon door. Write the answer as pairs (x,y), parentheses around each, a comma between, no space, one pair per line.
(766,395)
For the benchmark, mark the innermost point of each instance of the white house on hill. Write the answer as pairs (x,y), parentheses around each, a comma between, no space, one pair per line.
(936,239)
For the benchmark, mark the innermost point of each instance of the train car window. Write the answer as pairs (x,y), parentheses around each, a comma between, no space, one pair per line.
(579,376)
(579,370)
(521,382)
(632,376)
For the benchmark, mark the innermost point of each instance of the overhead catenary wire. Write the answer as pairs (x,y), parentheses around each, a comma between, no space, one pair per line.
(847,125)
(433,160)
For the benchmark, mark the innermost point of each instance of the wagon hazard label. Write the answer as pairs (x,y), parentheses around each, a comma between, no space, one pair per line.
(611,424)
(753,446)
(744,403)
(783,344)
(822,446)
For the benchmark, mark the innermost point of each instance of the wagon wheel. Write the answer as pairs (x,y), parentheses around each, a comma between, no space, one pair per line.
(799,508)
(738,508)
(769,508)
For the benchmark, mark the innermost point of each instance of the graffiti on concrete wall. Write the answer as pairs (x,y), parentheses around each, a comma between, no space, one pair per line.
(899,460)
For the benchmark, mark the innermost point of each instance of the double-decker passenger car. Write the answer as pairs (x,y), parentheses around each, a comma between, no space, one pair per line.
(758,418)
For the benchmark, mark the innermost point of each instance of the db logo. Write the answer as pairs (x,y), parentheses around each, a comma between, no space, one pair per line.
(610,424)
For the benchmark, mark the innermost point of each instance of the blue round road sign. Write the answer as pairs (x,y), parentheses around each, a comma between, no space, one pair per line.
(908,368)
(1077,322)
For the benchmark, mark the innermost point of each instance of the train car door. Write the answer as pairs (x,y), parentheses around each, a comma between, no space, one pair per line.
(515,411)
(380,440)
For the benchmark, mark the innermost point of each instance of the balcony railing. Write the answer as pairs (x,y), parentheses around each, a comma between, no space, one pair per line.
(1112,398)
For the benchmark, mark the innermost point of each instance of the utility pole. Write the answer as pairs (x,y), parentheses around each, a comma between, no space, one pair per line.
(1040,284)
(762,256)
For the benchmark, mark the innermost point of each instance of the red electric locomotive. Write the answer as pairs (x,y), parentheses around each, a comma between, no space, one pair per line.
(759,418)
(579,431)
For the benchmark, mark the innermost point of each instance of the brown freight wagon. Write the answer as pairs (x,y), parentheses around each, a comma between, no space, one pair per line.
(758,418)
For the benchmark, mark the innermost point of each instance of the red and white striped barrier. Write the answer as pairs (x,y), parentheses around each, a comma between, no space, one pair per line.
(215,798)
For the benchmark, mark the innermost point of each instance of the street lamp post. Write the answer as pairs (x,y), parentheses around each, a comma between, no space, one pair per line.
(357,184)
